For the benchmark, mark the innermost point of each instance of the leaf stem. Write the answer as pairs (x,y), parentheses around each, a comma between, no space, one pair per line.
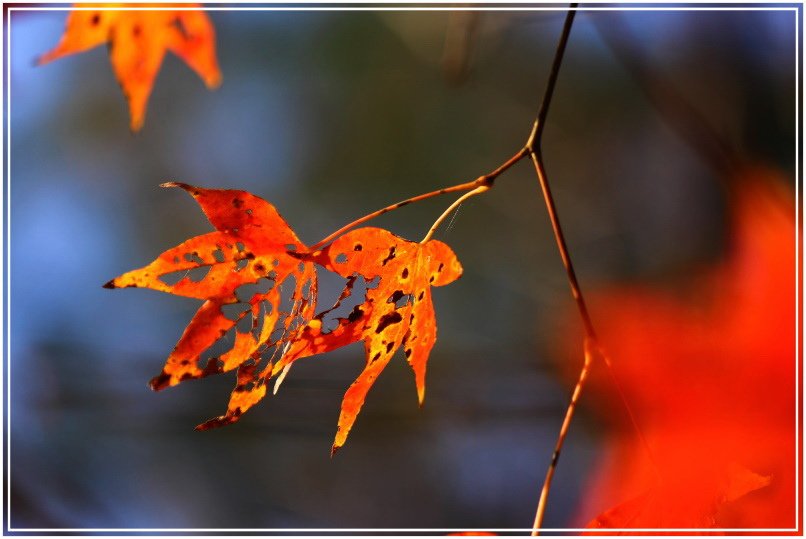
(477,191)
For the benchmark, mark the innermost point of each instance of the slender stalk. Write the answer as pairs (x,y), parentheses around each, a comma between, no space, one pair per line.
(576,291)
(460,187)
(485,180)
(592,346)
(537,130)
(477,191)
(533,145)
(555,457)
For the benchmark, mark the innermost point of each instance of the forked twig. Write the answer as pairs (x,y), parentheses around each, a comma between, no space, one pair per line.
(592,346)
(483,184)
(591,342)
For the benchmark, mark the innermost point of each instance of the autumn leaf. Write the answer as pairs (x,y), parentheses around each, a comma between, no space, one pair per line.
(250,248)
(709,372)
(138,41)
(398,312)
(700,508)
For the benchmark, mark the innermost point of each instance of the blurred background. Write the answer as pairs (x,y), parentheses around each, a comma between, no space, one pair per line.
(330,115)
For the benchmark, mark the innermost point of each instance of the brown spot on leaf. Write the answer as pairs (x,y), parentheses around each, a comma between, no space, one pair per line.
(390,256)
(356,314)
(387,320)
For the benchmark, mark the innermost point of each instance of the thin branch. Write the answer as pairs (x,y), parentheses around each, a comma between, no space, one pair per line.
(485,180)
(592,346)
(397,205)
(533,145)
(576,291)
(537,129)
(555,457)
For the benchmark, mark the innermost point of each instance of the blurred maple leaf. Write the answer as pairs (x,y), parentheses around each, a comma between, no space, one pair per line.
(711,378)
(138,41)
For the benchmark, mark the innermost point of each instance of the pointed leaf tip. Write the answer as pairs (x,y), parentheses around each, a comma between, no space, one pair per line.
(110,284)
(160,382)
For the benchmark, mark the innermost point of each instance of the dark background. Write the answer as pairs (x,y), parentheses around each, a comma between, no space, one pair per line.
(330,115)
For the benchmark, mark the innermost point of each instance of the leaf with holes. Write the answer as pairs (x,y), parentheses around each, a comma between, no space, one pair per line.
(137,42)
(246,262)
(397,312)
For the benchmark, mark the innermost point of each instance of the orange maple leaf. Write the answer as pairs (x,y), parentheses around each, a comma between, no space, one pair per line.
(398,312)
(138,41)
(711,379)
(250,247)
(253,244)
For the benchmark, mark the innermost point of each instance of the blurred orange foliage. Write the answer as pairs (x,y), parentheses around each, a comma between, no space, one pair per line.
(710,375)
(138,41)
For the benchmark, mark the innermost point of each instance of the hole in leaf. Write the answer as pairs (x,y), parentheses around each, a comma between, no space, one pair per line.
(246,323)
(232,311)
(399,299)
(347,306)
(194,257)
(198,274)
(241,264)
(173,277)
(373,284)
(341,258)
(247,291)
(218,255)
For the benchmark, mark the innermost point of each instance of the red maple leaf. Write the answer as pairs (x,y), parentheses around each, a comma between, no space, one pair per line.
(711,378)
